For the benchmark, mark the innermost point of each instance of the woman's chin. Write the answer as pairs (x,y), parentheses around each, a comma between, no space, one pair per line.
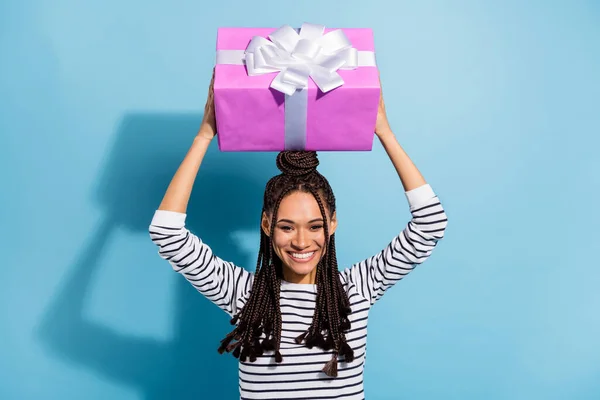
(301,269)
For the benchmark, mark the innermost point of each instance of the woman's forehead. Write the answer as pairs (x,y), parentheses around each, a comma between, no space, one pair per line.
(299,205)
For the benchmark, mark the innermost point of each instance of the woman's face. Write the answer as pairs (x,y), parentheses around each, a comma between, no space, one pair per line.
(299,237)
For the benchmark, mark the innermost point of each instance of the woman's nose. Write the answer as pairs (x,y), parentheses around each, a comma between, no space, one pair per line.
(300,241)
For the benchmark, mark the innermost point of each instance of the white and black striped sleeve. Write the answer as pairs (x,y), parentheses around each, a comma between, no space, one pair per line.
(373,276)
(220,281)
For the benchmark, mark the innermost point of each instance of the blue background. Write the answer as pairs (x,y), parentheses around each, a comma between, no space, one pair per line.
(496,102)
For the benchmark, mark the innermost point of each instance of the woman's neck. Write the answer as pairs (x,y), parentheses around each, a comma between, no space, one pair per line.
(309,279)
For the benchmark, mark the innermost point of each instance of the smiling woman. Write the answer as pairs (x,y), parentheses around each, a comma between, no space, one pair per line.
(297,304)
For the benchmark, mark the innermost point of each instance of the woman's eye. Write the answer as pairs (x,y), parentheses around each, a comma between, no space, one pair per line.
(317,227)
(285,228)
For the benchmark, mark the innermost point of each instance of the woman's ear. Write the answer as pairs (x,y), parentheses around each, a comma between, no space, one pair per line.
(333,224)
(265,224)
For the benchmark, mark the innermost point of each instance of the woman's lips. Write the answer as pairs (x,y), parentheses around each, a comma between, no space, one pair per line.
(302,260)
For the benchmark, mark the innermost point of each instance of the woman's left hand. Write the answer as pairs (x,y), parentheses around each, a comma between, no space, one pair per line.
(382,126)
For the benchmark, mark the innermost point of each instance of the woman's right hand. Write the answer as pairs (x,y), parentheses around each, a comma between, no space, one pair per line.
(208,127)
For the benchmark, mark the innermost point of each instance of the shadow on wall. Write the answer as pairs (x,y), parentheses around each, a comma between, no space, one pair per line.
(227,197)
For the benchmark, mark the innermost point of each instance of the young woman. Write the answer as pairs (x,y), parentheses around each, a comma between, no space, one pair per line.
(300,324)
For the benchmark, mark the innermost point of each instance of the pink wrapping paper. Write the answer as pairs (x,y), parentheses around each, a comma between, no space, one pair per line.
(250,115)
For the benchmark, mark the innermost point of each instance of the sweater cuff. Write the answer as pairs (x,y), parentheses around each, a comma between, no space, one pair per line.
(169,219)
(420,195)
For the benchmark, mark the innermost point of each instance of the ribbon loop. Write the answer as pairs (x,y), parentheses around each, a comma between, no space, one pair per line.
(311,31)
(298,56)
(335,41)
(285,37)
(306,50)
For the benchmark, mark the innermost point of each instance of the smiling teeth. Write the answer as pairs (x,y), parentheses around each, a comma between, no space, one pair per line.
(304,255)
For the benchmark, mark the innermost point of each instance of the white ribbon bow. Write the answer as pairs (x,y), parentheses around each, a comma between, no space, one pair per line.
(298,56)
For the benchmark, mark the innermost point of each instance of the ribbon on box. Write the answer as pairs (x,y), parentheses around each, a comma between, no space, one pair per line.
(296,56)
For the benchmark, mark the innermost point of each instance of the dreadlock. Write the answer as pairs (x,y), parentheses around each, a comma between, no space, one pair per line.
(260,318)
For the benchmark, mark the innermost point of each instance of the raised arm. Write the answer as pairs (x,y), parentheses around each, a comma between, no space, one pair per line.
(409,175)
(220,281)
(373,276)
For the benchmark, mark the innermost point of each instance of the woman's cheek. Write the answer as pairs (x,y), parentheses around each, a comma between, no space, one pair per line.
(320,239)
(281,239)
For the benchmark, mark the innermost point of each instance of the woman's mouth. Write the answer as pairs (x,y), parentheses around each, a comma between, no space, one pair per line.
(302,257)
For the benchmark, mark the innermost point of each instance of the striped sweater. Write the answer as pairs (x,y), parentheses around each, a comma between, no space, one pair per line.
(299,376)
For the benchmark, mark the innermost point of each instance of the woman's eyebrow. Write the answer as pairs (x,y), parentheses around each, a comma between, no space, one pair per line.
(289,221)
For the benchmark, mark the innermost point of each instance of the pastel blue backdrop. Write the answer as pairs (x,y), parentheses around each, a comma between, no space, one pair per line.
(496,102)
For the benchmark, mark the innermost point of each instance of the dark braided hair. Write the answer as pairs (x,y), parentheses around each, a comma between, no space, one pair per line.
(260,318)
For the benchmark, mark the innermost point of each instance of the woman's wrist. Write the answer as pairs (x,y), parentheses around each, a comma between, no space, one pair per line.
(206,131)
(200,139)
(385,133)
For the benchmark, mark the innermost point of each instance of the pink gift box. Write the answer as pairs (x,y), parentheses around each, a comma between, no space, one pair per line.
(251,116)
